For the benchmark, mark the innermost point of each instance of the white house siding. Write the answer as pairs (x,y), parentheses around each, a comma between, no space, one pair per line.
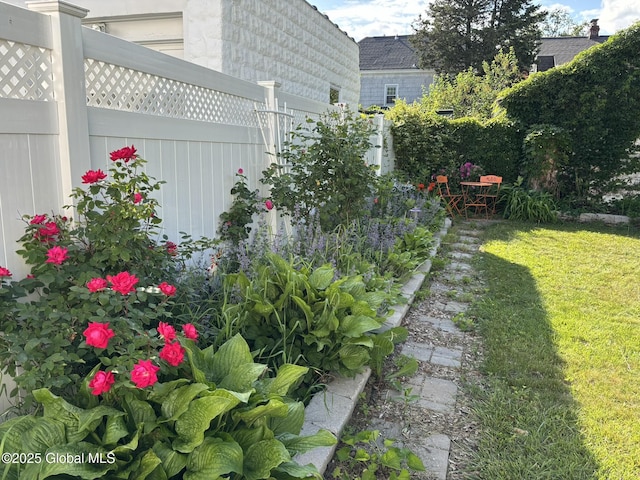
(410,85)
(287,41)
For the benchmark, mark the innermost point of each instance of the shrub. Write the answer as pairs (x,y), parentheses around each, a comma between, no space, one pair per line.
(323,169)
(106,267)
(235,224)
(427,144)
(546,153)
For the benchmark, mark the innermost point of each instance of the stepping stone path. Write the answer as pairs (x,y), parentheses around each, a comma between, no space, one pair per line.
(430,397)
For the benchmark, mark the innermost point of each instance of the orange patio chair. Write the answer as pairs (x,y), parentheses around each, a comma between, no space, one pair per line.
(492,195)
(451,200)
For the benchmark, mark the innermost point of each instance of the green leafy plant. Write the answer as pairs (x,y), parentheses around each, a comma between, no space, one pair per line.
(384,344)
(520,203)
(546,153)
(323,170)
(235,223)
(215,413)
(304,315)
(594,99)
(104,267)
(365,456)
(464,322)
(405,366)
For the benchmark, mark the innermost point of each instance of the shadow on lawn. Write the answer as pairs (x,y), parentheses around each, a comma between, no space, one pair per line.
(528,417)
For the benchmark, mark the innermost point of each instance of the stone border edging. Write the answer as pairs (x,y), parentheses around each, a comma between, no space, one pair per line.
(332,408)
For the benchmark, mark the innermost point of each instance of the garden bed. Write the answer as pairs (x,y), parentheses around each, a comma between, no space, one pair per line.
(332,409)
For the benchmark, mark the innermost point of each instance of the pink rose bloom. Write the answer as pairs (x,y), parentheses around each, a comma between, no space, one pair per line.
(126,154)
(56,255)
(123,282)
(38,219)
(167,332)
(168,290)
(190,331)
(48,230)
(4,272)
(137,197)
(93,176)
(240,171)
(96,284)
(101,382)
(268,204)
(98,334)
(144,374)
(172,353)
(172,248)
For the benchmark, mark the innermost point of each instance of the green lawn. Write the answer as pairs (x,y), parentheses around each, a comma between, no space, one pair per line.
(561,327)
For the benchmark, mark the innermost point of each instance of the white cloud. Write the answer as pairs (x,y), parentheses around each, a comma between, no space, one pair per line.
(617,15)
(367,18)
(362,18)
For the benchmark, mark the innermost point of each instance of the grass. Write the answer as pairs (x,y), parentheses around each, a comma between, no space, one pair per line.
(561,329)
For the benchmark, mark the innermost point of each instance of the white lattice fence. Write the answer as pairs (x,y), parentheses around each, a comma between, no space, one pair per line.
(25,72)
(120,88)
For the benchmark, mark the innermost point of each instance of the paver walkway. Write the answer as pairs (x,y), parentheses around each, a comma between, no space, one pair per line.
(435,387)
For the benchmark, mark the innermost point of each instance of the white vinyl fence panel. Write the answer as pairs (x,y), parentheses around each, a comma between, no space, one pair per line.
(70,95)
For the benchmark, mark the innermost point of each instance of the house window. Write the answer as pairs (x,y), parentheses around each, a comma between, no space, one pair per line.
(334,95)
(390,94)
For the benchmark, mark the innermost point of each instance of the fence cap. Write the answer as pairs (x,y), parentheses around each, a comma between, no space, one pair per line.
(53,6)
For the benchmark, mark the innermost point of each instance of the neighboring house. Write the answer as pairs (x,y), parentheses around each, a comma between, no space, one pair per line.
(388,71)
(289,42)
(559,50)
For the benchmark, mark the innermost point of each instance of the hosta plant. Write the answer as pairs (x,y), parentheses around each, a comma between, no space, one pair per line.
(304,315)
(192,414)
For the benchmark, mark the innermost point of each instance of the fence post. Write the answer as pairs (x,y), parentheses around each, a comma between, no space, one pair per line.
(271,136)
(67,57)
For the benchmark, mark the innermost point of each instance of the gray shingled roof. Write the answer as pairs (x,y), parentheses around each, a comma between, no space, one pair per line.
(387,53)
(396,53)
(564,49)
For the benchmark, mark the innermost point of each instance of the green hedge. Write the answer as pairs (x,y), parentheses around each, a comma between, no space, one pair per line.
(426,143)
(595,99)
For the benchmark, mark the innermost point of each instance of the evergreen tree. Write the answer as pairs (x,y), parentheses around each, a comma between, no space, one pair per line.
(515,23)
(449,38)
(458,34)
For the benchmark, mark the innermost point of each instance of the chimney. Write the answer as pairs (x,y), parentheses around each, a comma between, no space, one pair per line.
(594,29)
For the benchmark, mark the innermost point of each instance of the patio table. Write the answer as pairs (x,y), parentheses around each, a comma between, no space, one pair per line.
(474,196)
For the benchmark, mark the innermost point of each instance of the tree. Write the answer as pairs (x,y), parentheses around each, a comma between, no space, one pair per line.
(458,34)
(515,23)
(449,39)
(472,94)
(559,23)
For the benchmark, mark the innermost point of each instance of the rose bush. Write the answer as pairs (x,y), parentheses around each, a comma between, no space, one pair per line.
(84,282)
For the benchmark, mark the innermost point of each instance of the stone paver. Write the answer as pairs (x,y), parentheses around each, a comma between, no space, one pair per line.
(436,394)
(419,351)
(434,454)
(447,357)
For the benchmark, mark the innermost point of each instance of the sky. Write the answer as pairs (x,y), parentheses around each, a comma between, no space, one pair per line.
(369,18)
